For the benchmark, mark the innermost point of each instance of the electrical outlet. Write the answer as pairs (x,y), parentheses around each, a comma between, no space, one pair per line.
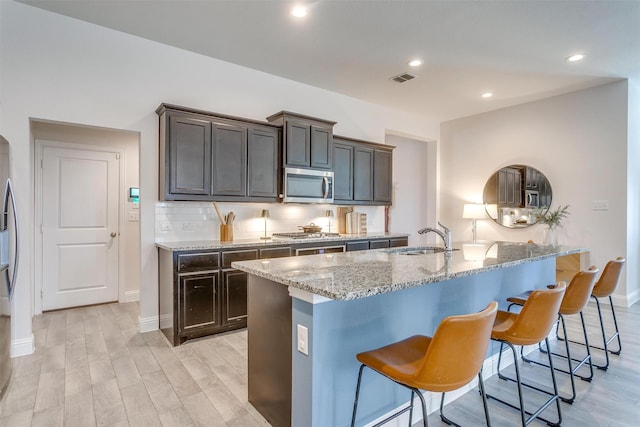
(303,340)
(600,205)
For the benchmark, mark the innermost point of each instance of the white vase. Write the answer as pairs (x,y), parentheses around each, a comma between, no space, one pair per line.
(551,236)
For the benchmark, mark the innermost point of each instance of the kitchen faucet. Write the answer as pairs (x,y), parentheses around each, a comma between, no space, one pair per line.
(445,235)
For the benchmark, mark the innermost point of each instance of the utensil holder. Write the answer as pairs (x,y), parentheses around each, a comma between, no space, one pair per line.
(226,232)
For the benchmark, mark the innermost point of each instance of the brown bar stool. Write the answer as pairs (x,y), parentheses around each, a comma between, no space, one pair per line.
(574,301)
(446,362)
(530,326)
(605,287)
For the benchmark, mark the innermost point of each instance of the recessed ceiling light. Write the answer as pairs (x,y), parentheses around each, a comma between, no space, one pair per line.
(299,11)
(415,62)
(576,57)
(487,95)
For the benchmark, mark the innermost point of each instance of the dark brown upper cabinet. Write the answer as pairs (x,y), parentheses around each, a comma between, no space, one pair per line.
(187,153)
(307,141)
(207,156)
(342,171)
(362,172)
(383,176)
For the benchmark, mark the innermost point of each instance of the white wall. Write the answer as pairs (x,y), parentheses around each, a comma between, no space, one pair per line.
(57,68)
(578,140)
(633,194)
(414,187)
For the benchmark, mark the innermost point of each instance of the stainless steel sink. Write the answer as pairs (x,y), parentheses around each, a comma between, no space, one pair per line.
(422,250)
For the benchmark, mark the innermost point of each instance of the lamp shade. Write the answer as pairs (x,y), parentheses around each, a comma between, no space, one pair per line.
(473,211)
(328,213)
(264,213)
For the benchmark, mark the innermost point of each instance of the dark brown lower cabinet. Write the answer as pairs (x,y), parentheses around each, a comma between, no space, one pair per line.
(198,303)
(235,295)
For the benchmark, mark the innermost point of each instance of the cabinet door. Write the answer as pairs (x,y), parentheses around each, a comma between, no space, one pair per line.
(382,176)
(363,174)
(343,171)
(377,244)
(297,144)
(198,302)
(229,160)
(235,295)
(358,246)
(189,156)
(263,162)
(321,143)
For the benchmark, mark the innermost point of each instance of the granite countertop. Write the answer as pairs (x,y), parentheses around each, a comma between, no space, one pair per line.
(353,275)
(217,244)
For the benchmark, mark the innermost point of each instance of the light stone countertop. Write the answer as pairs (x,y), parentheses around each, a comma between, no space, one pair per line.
(217,244)
(353,275)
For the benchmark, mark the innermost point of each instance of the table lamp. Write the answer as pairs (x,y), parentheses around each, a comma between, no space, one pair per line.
(329,214)
(265,214)
(474,211)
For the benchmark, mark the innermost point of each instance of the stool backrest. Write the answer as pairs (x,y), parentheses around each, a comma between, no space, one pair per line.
(457,350)
(609,278)
(578,291)
(537,317)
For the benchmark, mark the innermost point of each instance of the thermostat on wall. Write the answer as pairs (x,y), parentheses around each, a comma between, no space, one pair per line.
(134,194)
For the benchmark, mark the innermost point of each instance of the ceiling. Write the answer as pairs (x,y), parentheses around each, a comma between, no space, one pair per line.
(514,49)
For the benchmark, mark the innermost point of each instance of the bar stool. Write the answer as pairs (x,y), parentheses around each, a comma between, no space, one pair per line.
(605,287)
(445,362)
(574,301)
(530,326)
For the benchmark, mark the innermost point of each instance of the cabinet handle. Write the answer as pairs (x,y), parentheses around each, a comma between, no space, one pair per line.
(325,187)
(114,234)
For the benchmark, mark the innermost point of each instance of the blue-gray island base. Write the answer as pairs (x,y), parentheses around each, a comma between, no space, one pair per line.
(358,301)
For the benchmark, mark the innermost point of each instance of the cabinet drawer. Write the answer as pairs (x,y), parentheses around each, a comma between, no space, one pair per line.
(275,252)
(231,256)
(357,246)
(377,244)
(199,261)
(399,241)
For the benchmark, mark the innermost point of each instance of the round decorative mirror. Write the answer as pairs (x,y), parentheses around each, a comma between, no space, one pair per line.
(516,196)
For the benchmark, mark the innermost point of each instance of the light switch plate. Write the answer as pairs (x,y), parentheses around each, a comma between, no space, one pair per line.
(303,340)
(600,205)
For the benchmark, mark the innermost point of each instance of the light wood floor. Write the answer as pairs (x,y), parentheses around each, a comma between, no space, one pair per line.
(92,367)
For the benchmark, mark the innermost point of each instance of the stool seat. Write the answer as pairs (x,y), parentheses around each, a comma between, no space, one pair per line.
(530,326)
(574,301)
(400,360)
(445,362)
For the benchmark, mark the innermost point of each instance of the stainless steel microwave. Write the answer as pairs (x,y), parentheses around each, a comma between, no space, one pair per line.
(531,199)
(307,186)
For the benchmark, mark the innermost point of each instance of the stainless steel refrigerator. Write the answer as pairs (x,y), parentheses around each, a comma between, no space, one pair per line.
(8,263)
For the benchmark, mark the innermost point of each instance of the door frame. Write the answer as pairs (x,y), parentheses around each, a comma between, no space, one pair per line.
(40,144)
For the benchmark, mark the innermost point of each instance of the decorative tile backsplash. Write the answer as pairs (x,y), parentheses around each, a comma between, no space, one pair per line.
(177,221)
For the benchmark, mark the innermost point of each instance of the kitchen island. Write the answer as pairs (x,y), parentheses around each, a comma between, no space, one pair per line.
(352,302)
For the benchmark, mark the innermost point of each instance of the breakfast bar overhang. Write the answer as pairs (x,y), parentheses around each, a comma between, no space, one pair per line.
(352,302)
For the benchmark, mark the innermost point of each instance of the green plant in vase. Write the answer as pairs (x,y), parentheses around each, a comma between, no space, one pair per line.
(553,219)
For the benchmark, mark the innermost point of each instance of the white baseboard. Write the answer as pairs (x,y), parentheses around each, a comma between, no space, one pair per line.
(489,369)
(148,324)
(131,296)
(622,300)
(22,347)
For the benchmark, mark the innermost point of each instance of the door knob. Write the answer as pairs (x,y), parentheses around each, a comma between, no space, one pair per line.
(114,234)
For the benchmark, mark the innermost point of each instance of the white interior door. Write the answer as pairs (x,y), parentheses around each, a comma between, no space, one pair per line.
(79,227)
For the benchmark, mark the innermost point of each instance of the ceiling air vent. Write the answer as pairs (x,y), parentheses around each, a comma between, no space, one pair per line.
(401,78)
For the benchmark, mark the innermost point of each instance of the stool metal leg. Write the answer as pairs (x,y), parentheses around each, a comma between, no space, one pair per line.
(355,401)
(605,340)
(523,413)
(411,409)
(392,416)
